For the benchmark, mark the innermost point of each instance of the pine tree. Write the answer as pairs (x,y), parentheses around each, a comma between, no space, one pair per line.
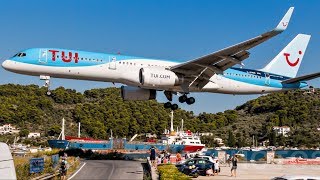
(231,139)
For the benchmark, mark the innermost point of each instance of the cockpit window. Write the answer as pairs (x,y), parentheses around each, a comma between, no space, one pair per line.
(20,55)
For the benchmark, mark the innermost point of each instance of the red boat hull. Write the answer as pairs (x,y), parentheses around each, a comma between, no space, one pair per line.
(192,148)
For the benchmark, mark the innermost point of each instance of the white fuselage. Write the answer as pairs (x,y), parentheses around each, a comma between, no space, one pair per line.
(125,70)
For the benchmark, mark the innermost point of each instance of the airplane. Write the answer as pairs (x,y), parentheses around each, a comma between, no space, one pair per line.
(213,73)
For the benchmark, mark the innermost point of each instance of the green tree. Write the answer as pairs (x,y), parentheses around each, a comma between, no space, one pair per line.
(24,133)
(231,139)
(54,130)
(272,138)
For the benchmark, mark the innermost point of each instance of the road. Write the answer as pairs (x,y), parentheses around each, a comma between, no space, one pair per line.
(110,169)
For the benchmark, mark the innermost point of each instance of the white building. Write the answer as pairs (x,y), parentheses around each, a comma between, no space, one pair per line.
(219,141)
(33,135)
(8,129)
(281,130)
(206,134)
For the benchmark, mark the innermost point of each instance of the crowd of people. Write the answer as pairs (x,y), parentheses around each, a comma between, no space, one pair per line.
(164,157)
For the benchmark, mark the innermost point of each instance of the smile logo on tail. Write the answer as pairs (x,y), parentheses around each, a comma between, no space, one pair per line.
(284,24)
(292,64)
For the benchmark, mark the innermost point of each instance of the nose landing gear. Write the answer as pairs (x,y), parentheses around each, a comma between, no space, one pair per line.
(47,83)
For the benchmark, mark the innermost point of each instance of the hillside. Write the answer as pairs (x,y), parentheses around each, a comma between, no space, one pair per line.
(101,110)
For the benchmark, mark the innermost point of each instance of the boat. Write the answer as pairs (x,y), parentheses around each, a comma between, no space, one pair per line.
(67,142)
(190,141)
(172,141)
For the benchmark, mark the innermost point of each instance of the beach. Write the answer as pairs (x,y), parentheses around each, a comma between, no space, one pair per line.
(265,171)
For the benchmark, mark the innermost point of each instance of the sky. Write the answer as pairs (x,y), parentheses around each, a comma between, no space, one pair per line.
(176,30)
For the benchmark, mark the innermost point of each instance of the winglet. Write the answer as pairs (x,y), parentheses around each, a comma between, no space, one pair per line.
(283,24)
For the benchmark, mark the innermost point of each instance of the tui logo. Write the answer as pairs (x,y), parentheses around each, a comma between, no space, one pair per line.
(292,64)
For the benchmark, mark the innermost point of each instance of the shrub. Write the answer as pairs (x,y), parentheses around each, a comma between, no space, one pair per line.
(169,171)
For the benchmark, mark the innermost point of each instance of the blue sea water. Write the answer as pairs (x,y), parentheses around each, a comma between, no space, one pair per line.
(256,155)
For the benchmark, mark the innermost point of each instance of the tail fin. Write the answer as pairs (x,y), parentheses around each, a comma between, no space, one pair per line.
(288,61)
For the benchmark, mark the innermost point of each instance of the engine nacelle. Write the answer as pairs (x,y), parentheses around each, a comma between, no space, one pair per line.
(158,77)
(137,94)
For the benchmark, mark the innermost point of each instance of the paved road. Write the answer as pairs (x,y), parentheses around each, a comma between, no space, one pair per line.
(109,169)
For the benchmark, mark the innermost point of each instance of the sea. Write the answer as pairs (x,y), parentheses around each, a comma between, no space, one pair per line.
(250,155)
(259,155)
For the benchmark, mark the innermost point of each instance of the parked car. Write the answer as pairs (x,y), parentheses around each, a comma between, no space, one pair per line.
(296,177)
(201,163)
(213,160)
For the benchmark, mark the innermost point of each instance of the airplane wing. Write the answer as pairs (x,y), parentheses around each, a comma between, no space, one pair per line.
(201,69)
(301,78)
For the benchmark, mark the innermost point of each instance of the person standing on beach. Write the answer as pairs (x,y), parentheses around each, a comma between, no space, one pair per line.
(234,161)
(216,167)
(178,157)
(152,155)
(228,159)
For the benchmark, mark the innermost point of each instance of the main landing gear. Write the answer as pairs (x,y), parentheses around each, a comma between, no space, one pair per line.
(47,83)
(182,99)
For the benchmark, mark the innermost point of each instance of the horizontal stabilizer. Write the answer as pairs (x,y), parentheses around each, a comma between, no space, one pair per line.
(302,78)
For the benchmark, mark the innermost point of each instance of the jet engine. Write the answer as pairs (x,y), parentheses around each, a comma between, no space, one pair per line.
(159,77)
(137,94)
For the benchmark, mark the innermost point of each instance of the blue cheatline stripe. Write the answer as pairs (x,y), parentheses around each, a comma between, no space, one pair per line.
(259,79)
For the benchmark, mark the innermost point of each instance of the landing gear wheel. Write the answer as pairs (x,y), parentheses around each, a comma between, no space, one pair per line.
(190,100)
(183,98)
(167,105)
(174,107)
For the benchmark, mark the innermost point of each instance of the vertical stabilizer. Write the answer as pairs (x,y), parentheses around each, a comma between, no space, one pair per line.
(288,61)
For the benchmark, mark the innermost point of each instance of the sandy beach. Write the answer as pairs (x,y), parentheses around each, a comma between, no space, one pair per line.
(265,171)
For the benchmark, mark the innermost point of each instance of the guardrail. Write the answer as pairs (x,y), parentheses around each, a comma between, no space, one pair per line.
(54,174)
(47,176)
